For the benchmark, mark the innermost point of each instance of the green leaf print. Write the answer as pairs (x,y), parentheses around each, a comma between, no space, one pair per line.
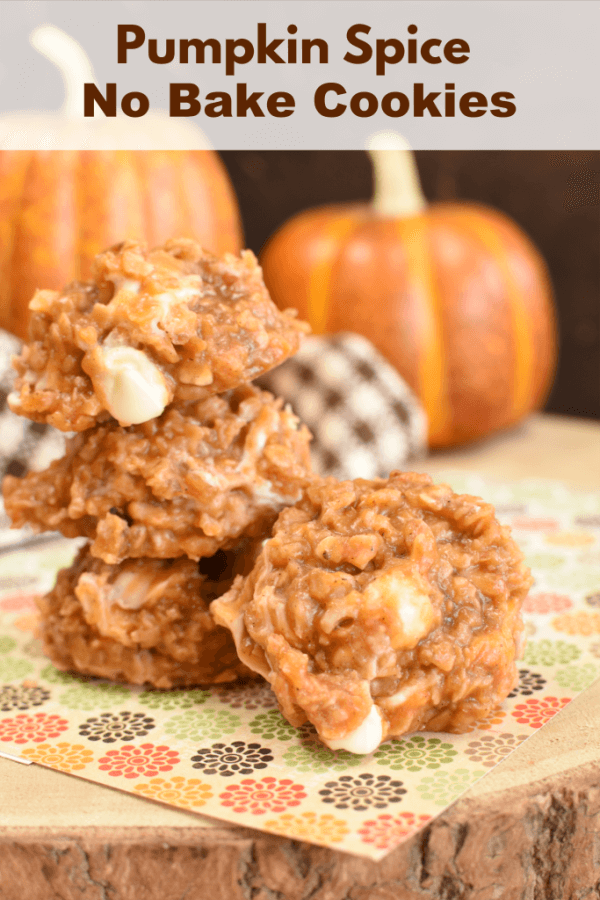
(178,699)
(7,644)
(92,696)
(312,756)
(541,561)
(272,726)
(196,725)
(550,653)
(56,676)
(578,678)
(11,668)
(584,578)
(443,787)
(415,753)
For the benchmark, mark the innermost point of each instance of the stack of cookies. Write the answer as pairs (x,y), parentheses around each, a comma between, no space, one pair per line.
(178,467)
(373,607)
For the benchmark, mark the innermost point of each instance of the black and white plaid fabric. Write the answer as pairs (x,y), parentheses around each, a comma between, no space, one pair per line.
(365,419)
(24,445)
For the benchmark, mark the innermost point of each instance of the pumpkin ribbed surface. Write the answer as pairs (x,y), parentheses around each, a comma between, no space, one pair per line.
(59,209)
(456,297)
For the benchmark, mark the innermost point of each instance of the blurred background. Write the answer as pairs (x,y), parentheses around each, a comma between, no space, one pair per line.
(553,196)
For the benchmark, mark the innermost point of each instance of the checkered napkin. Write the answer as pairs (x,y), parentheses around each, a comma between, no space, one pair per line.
(24,445)
(365,419)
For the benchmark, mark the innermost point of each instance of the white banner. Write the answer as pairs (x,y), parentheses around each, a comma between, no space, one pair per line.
(302,74)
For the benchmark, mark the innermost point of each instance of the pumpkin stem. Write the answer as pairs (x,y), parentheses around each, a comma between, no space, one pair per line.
(397,190)
(70,57)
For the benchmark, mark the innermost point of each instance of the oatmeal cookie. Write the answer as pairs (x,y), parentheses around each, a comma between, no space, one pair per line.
(151,326)
(185,484)
(144,621)
(382,607)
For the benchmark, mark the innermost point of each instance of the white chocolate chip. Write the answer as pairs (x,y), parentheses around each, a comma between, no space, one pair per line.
(134,589)
(420,691)
(214,479)
(127,284)
(184,294)
(399,599)
(263,492)
(108,606)
(174,303)
(364,739)
(14,402)
(129,385)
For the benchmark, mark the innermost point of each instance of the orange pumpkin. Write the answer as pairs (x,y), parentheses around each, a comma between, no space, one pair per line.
(61,204)
(454,295)
(59,208)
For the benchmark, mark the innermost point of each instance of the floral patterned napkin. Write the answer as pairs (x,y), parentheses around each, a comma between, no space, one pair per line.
(228,753)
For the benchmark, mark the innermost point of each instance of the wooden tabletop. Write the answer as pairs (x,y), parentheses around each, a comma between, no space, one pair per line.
(544,446)
(530,829)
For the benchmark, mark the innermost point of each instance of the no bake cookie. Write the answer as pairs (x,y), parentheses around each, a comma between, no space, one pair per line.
(187,483)
(144,622)
(381,607)
(152,326)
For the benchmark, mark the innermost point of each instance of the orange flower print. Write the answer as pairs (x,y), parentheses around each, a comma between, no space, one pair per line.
(534,523)
(20,601)
(536,712)
(570,538)
(388,830)
(547,603)
(580,622)
(64,756)
(178,791)
(23,729)
(133,762)
(489,722)
(267,795)
(27,622)
(308,825)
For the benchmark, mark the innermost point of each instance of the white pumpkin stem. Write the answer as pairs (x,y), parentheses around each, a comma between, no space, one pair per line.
(397,190)
(70,57)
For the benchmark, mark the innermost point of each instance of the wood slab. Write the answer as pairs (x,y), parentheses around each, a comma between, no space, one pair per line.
(529,830)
